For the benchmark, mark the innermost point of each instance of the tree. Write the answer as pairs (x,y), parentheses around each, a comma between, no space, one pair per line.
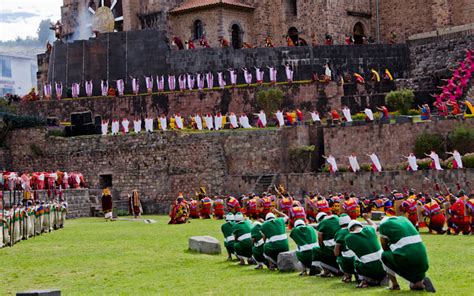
(44,33)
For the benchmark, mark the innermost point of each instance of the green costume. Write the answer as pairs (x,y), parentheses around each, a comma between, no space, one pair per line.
(407,256)
(346,259)
(229,239)
(306,239)
(243,240)
(257,238)
(276,239)
(324,256)
(368,252)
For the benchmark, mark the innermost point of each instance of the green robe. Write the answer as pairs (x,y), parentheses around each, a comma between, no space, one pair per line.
(257,248)
(407,256)
(324,256)
(243,240)
(229,239)
(368,252)
(346,259)
(306,239)
(276,239)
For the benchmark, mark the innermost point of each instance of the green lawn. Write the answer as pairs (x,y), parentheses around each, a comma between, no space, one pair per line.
(92,257)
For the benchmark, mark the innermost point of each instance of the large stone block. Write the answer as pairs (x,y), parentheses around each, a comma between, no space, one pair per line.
(287,261)
(52,292)
(204,245)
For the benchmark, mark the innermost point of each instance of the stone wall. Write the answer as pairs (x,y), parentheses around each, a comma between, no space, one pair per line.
(389,141)
(433,56)
(124,54)
(319,96)
(159,165)
(367,183)
(5,159)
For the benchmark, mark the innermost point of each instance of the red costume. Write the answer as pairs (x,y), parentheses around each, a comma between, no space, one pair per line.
(285,204)
(296,213)
(350,207)
(219,209)
(233,205)
(266,206)
(458,220)
(436,217)
(193,209)
(323,206)
(409,207)
(206,206)
(252,211)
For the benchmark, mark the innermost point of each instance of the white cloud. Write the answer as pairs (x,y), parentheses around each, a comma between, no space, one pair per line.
(26,26)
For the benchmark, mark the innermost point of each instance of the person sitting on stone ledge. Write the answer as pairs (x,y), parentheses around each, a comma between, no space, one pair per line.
(111,92)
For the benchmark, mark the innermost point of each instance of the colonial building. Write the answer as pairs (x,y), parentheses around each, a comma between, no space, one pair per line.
(17,74)
(251,21)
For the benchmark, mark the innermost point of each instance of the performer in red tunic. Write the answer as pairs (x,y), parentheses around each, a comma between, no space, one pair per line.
(458,220)
(193,208)
(206,208)
(218,208)
(408,206)
(297,212)
(179,211)
(285,204)
(349,206)
(233,205)
(434,217)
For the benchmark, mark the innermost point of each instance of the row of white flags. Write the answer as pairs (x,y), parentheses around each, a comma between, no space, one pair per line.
(208,121)
(185,81)
(377,167)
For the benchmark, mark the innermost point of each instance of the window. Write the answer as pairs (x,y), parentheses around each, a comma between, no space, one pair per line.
(6,90)
(198,29)
(5,67)
(294,7)
(105,181)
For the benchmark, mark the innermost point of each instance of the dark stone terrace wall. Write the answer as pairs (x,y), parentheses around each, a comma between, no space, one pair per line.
(139,53)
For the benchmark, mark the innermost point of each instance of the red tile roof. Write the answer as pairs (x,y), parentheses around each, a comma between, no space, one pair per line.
(199,4)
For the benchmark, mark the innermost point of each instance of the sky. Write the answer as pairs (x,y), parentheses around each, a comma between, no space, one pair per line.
(20,18)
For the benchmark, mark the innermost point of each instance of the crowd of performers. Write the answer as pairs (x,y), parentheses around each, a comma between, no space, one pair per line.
(31,181)
(434,211)
(199,81)
(341,245)
(455,87)
(412,162)
(23,217)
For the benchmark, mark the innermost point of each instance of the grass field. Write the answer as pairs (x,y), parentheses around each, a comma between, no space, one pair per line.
(92,257)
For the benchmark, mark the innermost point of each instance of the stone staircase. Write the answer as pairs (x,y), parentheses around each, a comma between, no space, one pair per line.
(264,183)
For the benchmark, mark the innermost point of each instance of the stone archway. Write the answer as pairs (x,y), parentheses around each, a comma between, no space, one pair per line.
(358,33)
(236,36)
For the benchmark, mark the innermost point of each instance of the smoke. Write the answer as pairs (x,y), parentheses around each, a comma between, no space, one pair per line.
(83,30)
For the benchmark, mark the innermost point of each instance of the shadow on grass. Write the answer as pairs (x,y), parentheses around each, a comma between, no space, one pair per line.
(188,251)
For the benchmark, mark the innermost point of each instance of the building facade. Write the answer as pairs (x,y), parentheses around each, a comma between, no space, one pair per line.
(17,74)
(251,21)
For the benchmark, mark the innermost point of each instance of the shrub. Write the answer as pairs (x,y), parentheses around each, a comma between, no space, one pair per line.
(14,121)
(300,157)
(400,100)
(358,116)
(468,160)
(366,167)
(269,100)
(461,139)
(57,133)
(425,143)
